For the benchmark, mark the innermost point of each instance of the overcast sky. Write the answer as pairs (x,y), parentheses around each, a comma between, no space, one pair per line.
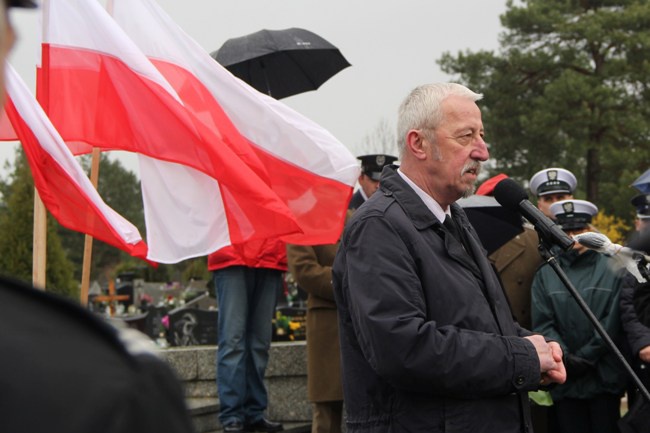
(392,45)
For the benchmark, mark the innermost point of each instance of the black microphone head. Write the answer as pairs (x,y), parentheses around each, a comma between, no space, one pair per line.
(509,194)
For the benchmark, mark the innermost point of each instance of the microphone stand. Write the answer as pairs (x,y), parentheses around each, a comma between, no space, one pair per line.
(550,259)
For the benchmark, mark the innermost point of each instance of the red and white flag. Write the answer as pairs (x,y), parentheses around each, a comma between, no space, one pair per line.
(100,90)
(62,185)
(305,165)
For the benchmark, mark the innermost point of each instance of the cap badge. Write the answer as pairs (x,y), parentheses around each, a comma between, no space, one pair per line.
(380,160)
(568,207)
(551,174)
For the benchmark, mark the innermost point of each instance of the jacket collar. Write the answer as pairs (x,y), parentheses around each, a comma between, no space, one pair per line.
(392,184)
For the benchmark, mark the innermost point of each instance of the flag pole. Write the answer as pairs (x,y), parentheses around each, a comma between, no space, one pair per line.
(88,244)
(88,240)
(39,243)
(39,246)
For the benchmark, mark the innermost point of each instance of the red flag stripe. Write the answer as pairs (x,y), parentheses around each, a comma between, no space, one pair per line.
(61,189)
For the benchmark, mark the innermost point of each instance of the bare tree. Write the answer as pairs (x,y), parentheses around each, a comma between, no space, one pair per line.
(379,140)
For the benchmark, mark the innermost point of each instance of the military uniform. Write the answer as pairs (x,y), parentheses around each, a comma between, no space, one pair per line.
(553,181)
(371,167)
(311,266)
(516,263)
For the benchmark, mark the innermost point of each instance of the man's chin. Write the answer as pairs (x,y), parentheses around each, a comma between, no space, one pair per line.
(469,191)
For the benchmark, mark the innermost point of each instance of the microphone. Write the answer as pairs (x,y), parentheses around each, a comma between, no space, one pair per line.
(601,243)
(512,196)
(624,257)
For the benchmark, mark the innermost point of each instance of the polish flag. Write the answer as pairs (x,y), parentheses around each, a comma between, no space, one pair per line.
(311,171)
(100,90)
(62,185)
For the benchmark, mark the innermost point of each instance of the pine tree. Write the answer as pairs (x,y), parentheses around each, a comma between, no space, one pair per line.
(569,88)
(16,234)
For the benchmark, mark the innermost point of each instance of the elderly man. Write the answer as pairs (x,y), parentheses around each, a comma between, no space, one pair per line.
(428,342)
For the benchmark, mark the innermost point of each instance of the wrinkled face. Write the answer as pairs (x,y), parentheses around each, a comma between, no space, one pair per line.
(7,37)
(455,153)
(368,185)
(544,202)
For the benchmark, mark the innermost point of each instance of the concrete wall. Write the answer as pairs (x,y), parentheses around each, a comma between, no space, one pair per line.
(286,377)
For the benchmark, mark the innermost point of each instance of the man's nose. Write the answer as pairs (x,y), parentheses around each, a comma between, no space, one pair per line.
(480,151)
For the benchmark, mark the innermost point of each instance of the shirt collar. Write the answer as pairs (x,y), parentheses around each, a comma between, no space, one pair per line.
(429,201)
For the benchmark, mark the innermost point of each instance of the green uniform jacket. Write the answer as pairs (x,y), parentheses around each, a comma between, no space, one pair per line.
(558,317)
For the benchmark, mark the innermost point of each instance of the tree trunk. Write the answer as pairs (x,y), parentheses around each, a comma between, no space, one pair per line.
(593,174)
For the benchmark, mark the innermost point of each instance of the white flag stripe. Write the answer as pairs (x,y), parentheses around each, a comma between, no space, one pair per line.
(85,24)
(278,129)
(182,206)
(184,214)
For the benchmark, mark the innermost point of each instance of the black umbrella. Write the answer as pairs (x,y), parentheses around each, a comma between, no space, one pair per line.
(281,63)
(494,224)
(642,183)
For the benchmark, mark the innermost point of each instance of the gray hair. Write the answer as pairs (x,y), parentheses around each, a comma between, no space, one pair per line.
(422,108)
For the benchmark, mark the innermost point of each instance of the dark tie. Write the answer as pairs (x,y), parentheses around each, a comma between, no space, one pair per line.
(450,224)
(453,229)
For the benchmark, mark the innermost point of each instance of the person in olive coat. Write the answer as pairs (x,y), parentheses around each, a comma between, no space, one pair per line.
(311,266)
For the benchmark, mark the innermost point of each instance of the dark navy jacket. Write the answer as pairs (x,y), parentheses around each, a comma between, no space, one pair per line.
(427,338)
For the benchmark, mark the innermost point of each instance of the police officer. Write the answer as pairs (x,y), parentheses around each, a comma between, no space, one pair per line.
(642,204)
(551,185)
(371,167)
(589,401)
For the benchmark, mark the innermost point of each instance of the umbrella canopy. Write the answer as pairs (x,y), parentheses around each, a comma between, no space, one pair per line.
(281,63)
(494,224)
(642,183)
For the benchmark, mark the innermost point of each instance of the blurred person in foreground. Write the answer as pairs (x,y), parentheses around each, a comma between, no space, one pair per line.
(65,369)
(641,241)
(589,401)
(636,332)
(428,342)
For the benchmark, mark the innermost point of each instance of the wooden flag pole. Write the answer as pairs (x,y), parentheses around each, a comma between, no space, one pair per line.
(39,245)
(88,245)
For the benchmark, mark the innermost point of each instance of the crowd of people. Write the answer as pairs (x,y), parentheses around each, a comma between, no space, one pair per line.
(412,325)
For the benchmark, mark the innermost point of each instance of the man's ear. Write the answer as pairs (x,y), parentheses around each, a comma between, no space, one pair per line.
(415,144)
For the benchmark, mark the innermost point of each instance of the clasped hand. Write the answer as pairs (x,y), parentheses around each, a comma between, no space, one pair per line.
(550,360)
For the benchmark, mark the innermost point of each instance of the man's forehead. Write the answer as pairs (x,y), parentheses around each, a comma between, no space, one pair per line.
(461,112)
